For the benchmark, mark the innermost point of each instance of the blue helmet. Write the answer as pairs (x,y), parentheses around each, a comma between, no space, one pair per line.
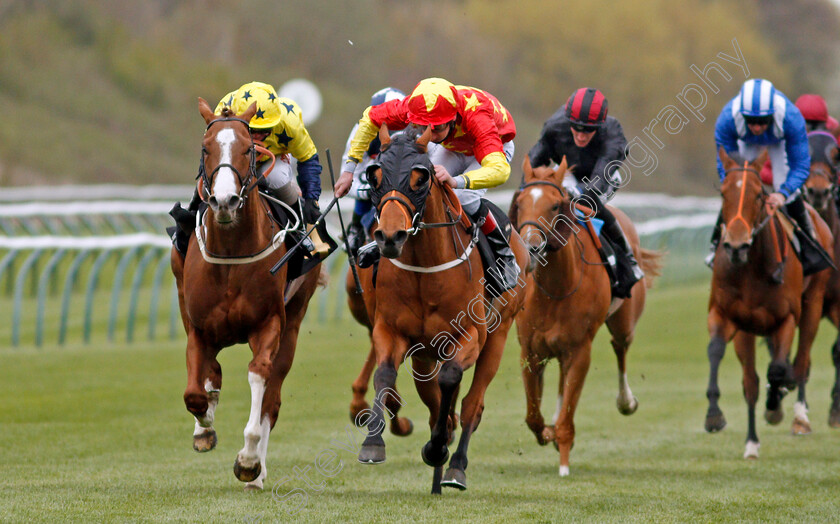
(757,97)
(386,95)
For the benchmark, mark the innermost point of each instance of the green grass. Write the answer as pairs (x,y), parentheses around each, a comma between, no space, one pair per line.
(100,433)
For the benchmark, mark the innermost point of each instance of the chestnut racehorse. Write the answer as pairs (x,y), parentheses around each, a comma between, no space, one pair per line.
(429,304)
(821,191)
(227,295)
(567,300)
(746,301)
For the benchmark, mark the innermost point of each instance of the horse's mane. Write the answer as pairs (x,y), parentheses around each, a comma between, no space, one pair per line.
(738,158)
(227,112)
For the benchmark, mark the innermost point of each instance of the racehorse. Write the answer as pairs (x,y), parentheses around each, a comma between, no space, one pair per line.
(746,300)
(429,304)
(821,190)
(567,300)
(227,295)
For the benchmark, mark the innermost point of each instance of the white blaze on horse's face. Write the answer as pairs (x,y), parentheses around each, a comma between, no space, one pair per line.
(225,182)
(536,194)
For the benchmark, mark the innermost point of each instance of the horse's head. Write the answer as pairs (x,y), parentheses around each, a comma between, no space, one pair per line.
(228,161)
(543,208)
(400,182)
(743,204)
(825,159)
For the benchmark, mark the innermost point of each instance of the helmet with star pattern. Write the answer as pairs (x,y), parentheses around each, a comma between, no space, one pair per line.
(268,112)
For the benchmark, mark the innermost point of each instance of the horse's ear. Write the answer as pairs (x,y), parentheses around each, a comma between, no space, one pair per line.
(527,169)
(249,113)
(423,140)
(725,159)
(384,136)
(762,159)
(204,109)
(560,173)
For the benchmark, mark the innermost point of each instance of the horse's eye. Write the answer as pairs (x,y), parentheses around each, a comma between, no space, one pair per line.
(370,175)
(556,207)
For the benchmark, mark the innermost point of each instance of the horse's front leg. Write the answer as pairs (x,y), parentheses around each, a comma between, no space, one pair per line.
(721,331)
(435,452)
(204,435)
(201,393)
(812,306)
(745,349)
(533,370)
(250,461)
(360,385)
(390,350)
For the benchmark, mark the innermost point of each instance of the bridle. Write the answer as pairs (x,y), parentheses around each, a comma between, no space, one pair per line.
(247,183)
(534,223)
(740,216)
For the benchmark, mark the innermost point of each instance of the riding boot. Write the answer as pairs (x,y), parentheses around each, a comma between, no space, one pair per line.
(631,272)
(184,223)
(355,234)
(506,270)
(812,255)
(796,210)
(715,241)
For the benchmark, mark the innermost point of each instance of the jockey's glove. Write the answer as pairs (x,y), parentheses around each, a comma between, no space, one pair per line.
(311,211)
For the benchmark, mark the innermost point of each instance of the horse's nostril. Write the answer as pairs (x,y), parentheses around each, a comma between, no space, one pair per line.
(400,237)
(234,201)
(212,201)
(378,236)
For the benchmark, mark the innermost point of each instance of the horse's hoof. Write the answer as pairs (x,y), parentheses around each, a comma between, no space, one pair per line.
(402,427)
(564,471)
(246,474)
(751,450)
(715,422)
(774,417)
(800,427)
(369,454)
(455,478)
(430,459)
(546,436)
(834,418)
(628,408)
(205,442)
(256,485)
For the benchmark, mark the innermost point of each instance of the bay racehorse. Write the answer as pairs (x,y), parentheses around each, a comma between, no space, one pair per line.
(429,305)
(568,299)
(748,301)
(820,191)
(227,295)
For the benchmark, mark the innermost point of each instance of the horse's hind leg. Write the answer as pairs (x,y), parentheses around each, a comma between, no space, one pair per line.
(745,349)
(779,371)
(472,406)
(204,435)
(360,386)
(621,328)
(812,305)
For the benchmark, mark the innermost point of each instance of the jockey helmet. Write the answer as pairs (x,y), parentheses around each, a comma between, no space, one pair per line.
(268,108)
(432,103)
(757,97)
(386,95)
(587,107)
(813,107)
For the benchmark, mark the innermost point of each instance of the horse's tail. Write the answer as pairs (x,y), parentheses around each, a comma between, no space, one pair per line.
(651,262)
(323,276)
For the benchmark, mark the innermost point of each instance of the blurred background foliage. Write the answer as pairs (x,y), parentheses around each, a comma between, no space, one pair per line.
(105,92)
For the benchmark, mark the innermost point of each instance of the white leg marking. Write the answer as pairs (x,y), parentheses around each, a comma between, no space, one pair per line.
(564,471)
(800,411)
(751,451)
(625,400)
(262,449)
(801,423)
(557,410)
(249,455)
(224,183)
(202,425)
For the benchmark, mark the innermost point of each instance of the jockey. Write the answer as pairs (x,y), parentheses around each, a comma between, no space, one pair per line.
(360,189)
(475,136)
(760,116)
(594,144)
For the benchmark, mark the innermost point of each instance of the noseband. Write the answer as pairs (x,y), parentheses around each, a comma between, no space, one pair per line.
(533,222)
(245,184)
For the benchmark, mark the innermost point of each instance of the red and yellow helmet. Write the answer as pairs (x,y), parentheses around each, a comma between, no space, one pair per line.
(432,102)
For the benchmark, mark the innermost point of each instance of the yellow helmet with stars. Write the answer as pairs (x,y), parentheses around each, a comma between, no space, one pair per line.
(432,102)
(268,112)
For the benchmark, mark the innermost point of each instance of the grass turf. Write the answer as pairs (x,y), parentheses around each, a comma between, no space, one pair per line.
(100,433)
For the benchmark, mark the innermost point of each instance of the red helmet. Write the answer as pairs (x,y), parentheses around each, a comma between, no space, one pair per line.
(587,107)
(831,124)
(432,102)
(813,107)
